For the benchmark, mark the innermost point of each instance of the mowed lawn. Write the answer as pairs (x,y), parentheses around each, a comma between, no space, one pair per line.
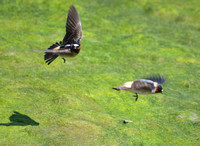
(73,102)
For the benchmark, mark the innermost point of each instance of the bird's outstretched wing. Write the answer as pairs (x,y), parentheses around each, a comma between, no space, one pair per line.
(73,27)
(157,78)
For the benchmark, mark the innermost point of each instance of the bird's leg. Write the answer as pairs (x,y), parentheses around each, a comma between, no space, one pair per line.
(64,59)
(136,95)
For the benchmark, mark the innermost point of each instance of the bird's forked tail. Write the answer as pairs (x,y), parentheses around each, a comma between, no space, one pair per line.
(49,56)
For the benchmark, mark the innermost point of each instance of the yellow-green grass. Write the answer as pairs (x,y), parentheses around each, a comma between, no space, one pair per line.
(73,102)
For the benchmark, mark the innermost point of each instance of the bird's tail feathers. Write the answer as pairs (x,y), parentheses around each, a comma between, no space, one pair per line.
(49,56)
(120,88)
(116,88)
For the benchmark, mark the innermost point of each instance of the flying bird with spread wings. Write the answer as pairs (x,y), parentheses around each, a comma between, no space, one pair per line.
(143,86)
(70,45)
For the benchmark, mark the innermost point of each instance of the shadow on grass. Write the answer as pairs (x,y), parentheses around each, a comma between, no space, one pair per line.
(18,119)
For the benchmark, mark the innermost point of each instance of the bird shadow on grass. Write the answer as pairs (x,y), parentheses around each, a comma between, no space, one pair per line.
(17,119)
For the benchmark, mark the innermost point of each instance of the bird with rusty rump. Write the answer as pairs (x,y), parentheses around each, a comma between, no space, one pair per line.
(143,86)
(70,45)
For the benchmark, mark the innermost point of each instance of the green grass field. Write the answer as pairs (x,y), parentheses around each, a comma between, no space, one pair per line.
(73,102)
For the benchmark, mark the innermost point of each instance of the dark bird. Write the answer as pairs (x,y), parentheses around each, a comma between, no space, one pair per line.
(70,45)
(143,86)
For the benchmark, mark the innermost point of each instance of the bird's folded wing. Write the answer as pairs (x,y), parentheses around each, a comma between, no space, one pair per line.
(140,85)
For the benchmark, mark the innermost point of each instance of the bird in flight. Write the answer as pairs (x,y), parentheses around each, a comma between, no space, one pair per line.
(149,85)
(70,45)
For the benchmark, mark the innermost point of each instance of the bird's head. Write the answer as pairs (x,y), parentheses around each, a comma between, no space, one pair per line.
(159,89)
(76,47)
